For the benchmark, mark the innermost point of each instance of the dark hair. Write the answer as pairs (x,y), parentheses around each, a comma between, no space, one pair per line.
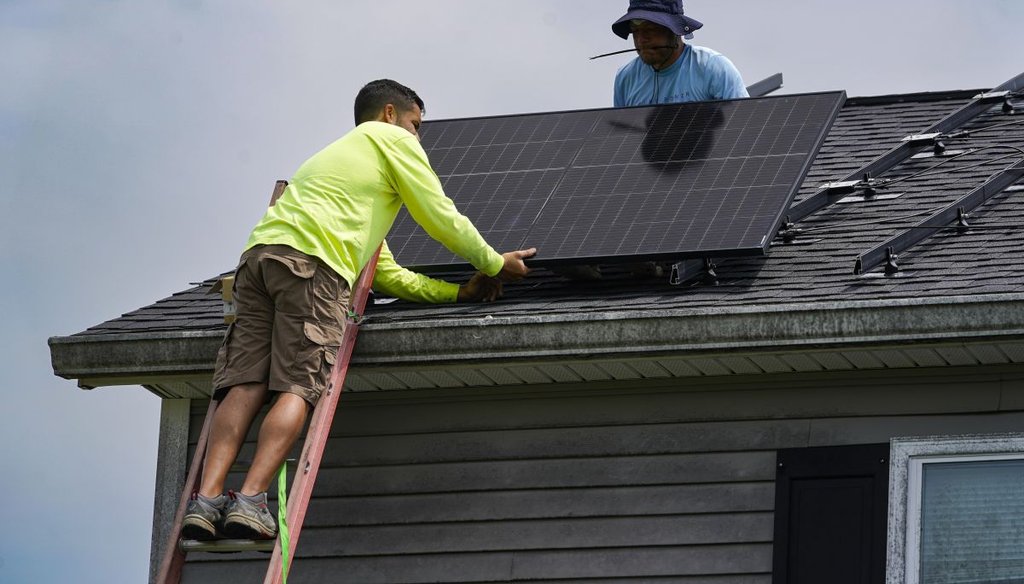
(372,98)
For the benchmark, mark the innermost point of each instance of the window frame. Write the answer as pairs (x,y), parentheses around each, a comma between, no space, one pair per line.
(908,456)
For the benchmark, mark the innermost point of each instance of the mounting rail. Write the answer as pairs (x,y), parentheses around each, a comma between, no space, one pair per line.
(908,147)
(955,211)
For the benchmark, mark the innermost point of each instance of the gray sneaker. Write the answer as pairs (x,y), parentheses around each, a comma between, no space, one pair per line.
(203,517)
(249,518)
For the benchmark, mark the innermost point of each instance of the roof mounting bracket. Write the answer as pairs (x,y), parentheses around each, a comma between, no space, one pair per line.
(843,187)
(891,262)
(683,272)
(892,266)
(709,276)
(980,104)
(922,139)
(788,231)
(956,211)
(868,187)
(687,270)
(840,187)
(990,96)
(868,184)
(939,149)
(868,195)
(962,226)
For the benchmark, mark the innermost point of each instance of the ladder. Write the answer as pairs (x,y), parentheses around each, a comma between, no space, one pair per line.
(308,464)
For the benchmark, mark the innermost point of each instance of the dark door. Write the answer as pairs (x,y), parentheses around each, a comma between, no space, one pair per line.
(831,507)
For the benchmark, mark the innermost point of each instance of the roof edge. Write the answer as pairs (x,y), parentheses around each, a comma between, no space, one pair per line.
(707,311)
(919,97)
(732,330)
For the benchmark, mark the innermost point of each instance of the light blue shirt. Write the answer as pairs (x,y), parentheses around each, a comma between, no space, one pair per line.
(699,74)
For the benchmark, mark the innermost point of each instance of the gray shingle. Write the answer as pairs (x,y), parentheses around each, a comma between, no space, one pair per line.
(984,260)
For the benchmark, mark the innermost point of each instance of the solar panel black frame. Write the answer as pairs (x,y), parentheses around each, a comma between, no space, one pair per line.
(527,179)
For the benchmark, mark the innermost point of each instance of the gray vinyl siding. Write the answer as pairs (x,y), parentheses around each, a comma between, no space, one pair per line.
(671,482)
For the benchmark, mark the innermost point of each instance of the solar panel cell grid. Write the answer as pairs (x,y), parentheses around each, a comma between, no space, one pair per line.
(662,182)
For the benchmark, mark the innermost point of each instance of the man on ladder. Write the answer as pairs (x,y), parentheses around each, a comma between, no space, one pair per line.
(292,287)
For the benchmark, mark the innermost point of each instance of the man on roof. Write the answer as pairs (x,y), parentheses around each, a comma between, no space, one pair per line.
(666,69)
(292,290)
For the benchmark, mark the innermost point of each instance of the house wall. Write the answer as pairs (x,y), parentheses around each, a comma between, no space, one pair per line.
(668,482)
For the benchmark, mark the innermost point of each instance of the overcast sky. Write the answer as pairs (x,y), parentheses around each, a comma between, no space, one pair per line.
(139,142)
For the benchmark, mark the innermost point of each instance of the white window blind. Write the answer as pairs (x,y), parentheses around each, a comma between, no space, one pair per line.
(972,522)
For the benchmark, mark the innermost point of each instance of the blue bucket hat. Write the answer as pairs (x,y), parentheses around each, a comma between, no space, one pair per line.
(667,13)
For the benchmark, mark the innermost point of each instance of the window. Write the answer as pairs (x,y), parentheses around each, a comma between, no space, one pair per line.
(956,510)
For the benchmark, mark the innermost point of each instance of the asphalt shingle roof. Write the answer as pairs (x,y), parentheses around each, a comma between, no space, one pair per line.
(817,267)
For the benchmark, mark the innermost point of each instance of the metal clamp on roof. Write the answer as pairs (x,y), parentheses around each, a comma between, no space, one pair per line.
(867,186)
(892,266)
(891,262)
(688,270)
(989,96)
(941,219)
(962,226)
(840,187)
(788,231)
(937,140)
(922,139)
(980,104)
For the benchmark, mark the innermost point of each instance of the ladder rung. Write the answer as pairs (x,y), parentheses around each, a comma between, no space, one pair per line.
(225,546)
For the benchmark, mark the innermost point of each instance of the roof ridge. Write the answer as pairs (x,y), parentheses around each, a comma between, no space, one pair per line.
(923,96)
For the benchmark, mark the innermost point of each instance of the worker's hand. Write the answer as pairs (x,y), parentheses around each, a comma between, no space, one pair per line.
(480,288)
(515,268)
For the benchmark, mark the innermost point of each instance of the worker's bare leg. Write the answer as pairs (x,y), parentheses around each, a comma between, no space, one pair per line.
(280,429)
(231,423)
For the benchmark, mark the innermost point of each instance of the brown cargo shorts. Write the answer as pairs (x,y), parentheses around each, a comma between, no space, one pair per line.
(291,311)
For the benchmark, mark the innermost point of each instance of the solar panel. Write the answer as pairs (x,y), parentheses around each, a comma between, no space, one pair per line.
(666,182)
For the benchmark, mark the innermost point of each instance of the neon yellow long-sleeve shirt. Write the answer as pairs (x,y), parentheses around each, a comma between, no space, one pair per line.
(343,201)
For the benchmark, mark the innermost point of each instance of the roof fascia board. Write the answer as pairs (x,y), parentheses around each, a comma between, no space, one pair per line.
(495,339)
(708,329)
